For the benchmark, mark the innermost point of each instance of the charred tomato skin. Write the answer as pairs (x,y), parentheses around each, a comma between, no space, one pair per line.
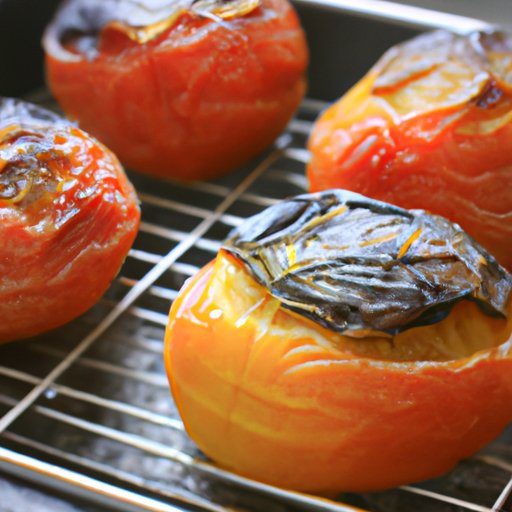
(274,397)
(68,226)
(432,137)
(195,102)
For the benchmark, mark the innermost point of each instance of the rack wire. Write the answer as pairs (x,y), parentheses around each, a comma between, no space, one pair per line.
(87,409)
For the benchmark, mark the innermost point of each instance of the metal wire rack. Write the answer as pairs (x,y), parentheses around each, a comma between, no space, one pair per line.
(87,409)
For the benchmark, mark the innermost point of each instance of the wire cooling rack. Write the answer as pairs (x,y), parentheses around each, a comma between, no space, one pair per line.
(86,408)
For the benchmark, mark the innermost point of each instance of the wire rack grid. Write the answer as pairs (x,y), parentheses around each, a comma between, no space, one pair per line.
(86,408)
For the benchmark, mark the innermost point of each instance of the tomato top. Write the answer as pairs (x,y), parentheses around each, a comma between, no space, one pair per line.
(49,169)
(91,29)
(445,71)
(366,268)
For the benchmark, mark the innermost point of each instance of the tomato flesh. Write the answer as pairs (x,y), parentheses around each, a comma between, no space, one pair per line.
(277,398)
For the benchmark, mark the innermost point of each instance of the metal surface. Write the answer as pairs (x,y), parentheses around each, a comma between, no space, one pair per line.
(86,409)
(408,15)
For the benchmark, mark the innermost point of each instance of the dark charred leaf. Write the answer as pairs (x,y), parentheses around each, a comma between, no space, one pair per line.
(362,267)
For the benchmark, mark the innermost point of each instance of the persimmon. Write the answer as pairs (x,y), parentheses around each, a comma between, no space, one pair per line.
(69,216)
(181,90)
(429,127)
(330,346)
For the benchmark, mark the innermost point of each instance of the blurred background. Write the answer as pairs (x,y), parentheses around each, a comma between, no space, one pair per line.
(498,12)
(22,63)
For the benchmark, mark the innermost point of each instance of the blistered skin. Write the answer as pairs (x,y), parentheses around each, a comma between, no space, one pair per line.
(195,99)
(275,397)
(68,218)
(429,127)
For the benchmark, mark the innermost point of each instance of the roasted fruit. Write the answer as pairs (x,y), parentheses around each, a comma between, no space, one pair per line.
(338,343)
(68,218)
(187,90)
(429,127)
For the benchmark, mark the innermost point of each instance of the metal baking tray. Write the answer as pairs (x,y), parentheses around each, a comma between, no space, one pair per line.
(86,409)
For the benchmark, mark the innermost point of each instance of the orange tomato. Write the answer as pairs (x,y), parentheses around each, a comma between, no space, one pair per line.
(272,395)
(429,127)
(69,217)
(190,95)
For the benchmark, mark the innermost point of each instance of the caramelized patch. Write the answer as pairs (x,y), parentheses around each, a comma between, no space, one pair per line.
(45,162)
(31,167)
(445,71)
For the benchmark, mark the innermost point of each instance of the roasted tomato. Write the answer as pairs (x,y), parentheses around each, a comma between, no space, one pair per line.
(176,91)
(331,346)
(430,126)
(68,218)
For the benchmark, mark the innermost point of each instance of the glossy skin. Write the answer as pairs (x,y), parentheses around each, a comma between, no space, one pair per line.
(194,102)
(69,217)
(277,398)
(429,127)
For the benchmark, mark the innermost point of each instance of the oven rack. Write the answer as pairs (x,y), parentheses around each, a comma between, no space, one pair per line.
(86,408)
